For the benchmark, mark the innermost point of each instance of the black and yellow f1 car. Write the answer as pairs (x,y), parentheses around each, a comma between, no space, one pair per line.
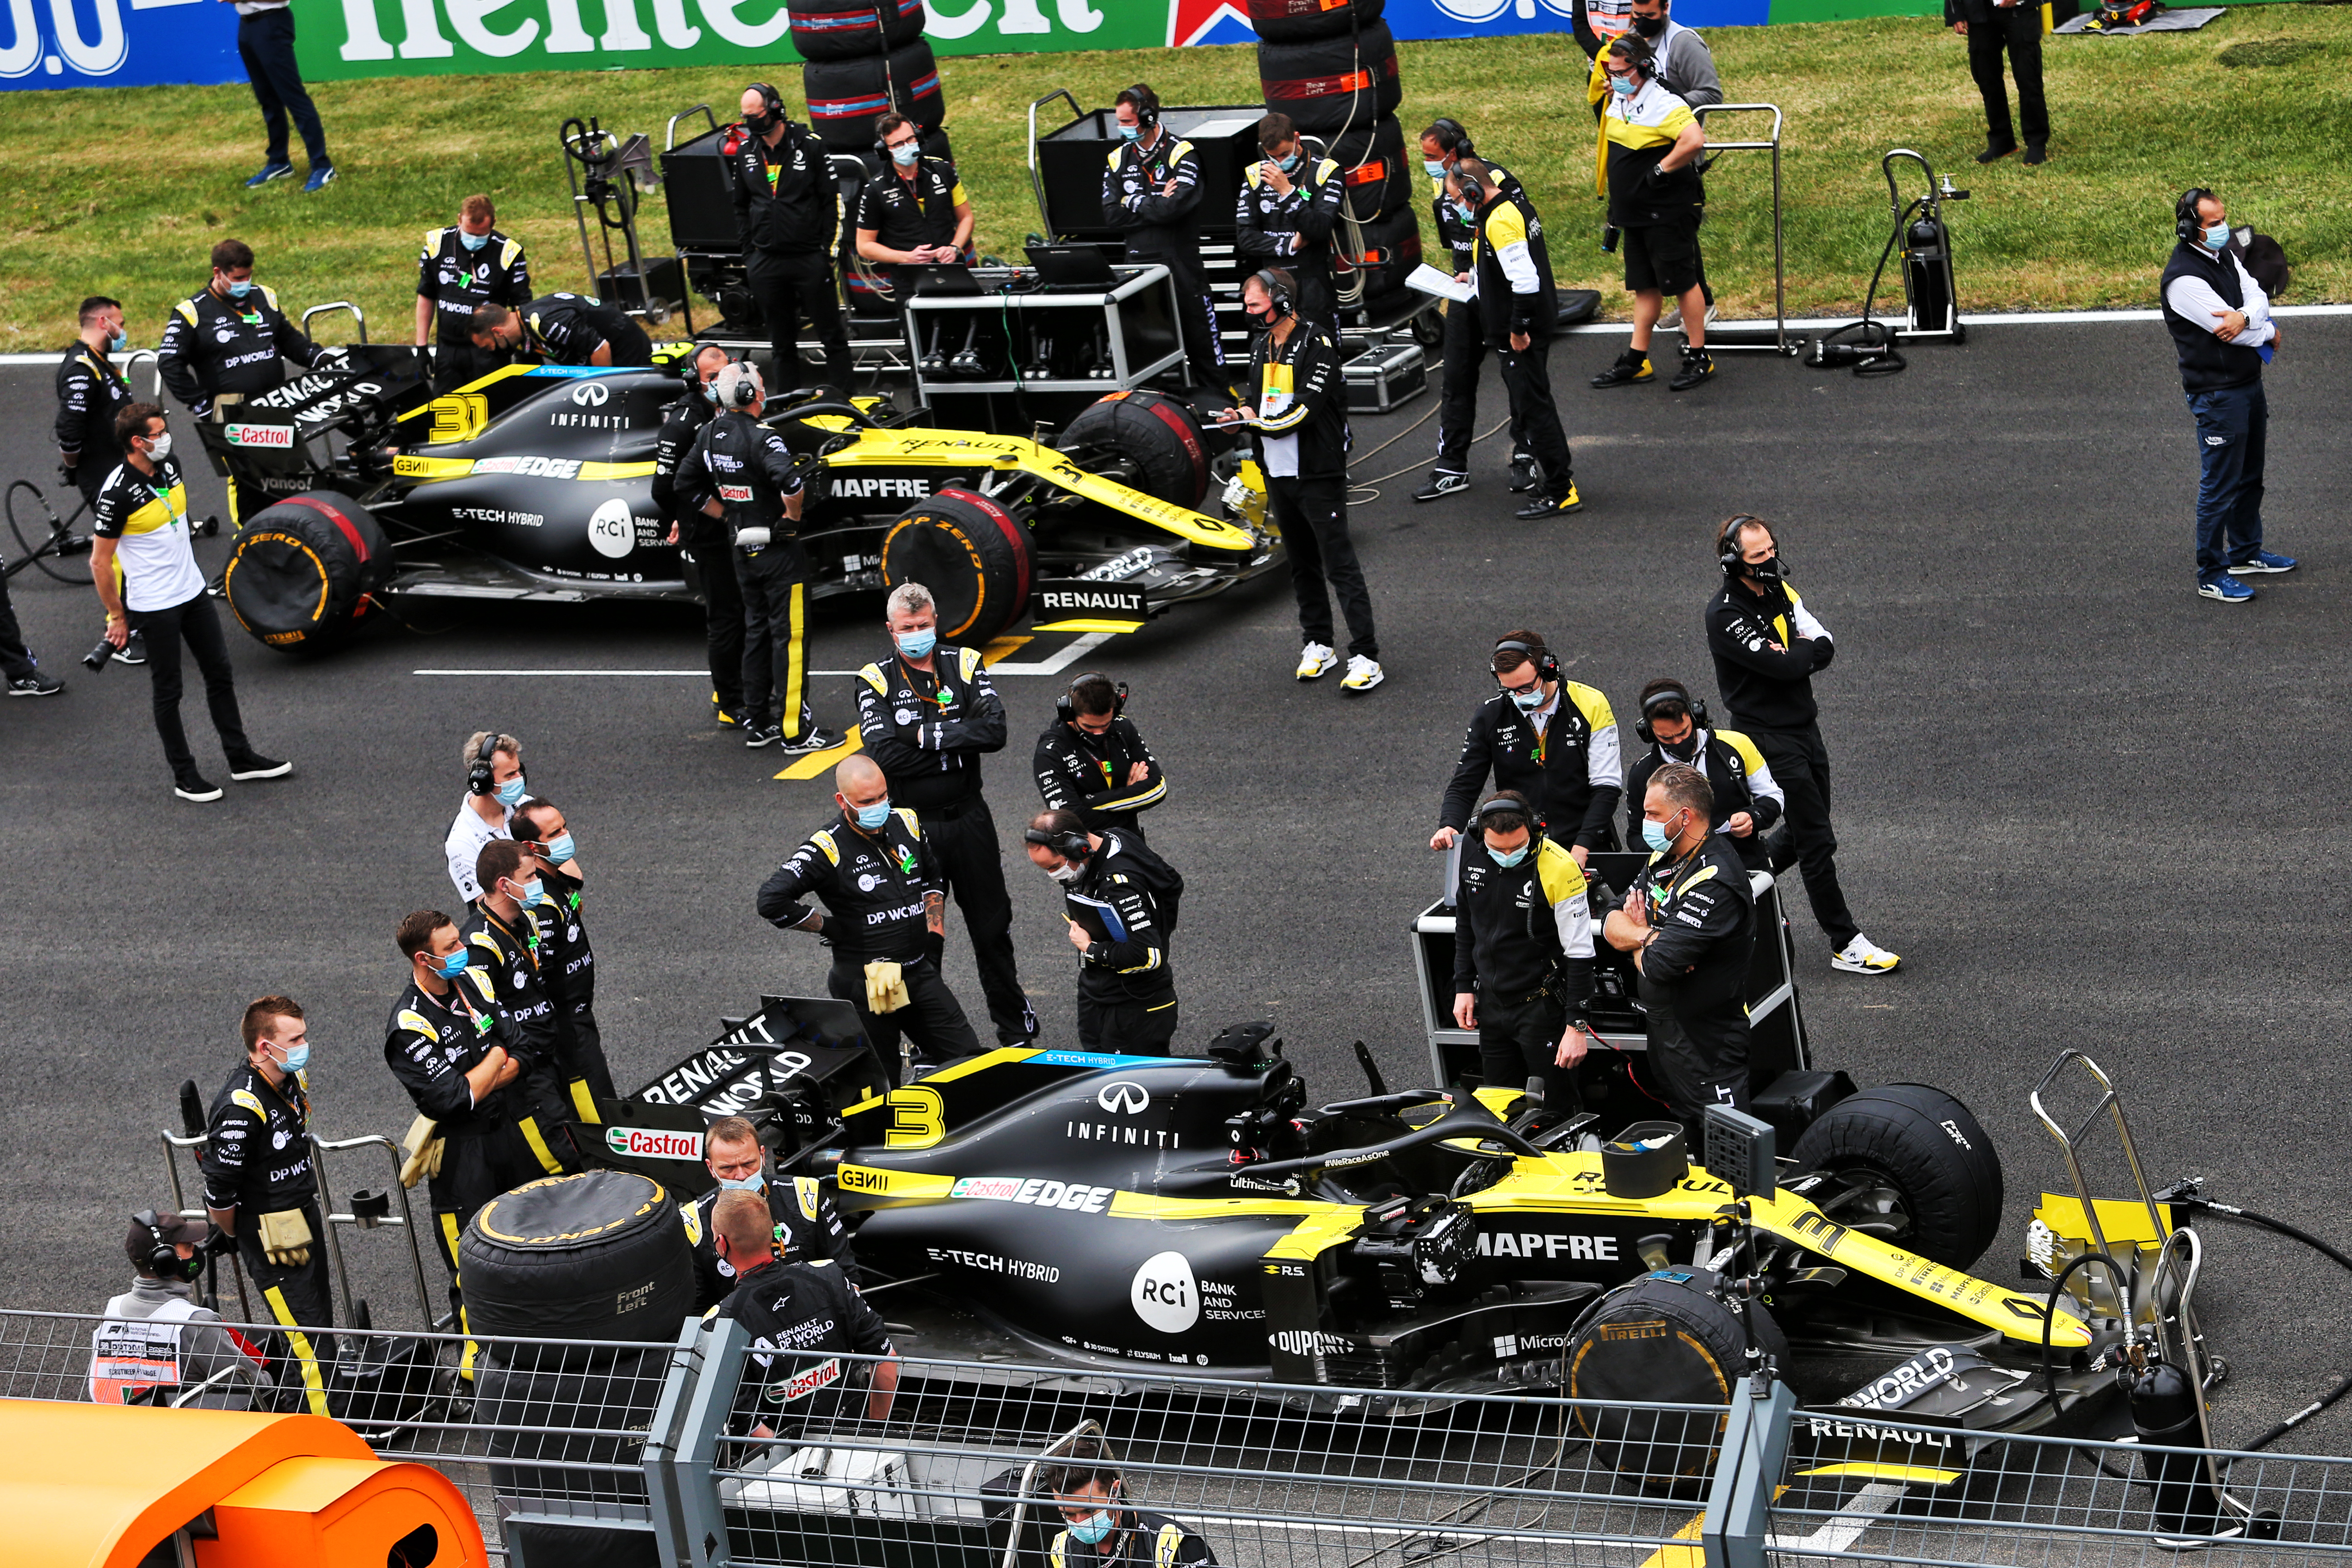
(536,483)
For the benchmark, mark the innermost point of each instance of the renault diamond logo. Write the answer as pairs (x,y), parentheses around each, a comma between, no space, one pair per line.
(1123,1096)
(591,394)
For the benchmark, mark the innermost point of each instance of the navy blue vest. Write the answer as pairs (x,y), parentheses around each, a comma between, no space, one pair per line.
(2207,364)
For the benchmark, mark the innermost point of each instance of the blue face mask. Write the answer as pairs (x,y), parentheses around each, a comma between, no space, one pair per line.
(473,241)
(2217,237)
(118,342)
(534,893)
(1131,133)
(1657,836)
(1622,86)
(870,817)
(1512,858)
(560,848)
(239,290)
(1528,701)
(757,1182)
(297,1058)
(1291,163)
(905,156)
(511,792)
(918,645)
(1435,170)
(1096,1526)
(451,967)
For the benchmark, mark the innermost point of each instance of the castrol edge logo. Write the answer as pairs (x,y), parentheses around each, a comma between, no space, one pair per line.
(645,1143)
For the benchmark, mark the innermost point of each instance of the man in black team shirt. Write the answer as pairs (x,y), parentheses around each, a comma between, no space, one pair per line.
(807,1227)
(787,208)
(1092,759)
(803,1318)
(563,328)
(465,266)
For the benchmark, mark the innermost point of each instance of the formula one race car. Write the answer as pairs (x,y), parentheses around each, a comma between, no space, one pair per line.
(535,482)
(1098,1214)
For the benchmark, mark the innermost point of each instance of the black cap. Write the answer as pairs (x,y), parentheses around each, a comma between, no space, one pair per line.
(140,1245)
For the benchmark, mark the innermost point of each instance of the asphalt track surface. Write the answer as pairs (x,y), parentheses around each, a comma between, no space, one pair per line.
(2087,807)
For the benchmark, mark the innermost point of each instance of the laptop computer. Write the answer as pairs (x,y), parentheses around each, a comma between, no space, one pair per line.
(930,279)
(1073,268)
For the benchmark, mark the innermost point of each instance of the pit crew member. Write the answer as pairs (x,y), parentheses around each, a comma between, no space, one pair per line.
(1445,143)
(704,538)
(453,1048)
(1747,799)
(788,210)
(927,715)
(140,527)
(495,785)
(1519,310)
(915,211)
(746,479)
(1120,900)
(157,1346)
(260,1189)
(1767,646)
(1522,950)
(1689,920)
(1550,739)
(1151,191)
(1298,407)
(876,873)
(563,329)
(503,939)
(802,1318)
(1651,143)
(18,668)
(807,1227)
(1092,759)
(463,266)
(1288,204)
(567,959)
(1101,1530)
(90,393)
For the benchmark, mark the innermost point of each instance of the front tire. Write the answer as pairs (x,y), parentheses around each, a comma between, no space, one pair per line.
(1920,1172)
(975,557)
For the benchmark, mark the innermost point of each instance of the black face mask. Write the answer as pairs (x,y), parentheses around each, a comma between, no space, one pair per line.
(759,124)
(1680,751)
(1649,27)
(1764,572)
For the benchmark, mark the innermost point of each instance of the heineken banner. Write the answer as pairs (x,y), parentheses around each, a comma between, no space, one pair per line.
(126,42)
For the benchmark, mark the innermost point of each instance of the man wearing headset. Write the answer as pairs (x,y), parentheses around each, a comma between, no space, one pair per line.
(2222,333)
(495,785)
(1689,921)
(260,1189)
(1120,900)
(567,959)
(462,266)
(1748,800)
(563,329)
(1518,309)
(1550,740)
(1092,759)
(1767,646)
(1284,217)
(1651,143)
(1299,410)
(1522,950)
(1103,1528)
(884,911)
(702,536)
(1442,145)
(915,212)
(787,208)
(157,1346)
(1151,191)
(749,482)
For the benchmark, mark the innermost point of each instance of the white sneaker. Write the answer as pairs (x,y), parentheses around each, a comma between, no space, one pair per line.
(1314,659)
(1863,956)
(1672,319)
(1363,674)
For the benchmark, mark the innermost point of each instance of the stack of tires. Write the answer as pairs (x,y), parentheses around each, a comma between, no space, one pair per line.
(864,58)
(1332,67)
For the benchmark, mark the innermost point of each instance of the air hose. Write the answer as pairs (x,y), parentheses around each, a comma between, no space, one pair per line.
(1872,352)
(2293,1232)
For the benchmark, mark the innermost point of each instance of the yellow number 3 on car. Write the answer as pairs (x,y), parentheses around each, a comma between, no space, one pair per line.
(918,1119)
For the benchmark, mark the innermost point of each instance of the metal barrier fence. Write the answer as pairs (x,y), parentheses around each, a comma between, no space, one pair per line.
(714,1451)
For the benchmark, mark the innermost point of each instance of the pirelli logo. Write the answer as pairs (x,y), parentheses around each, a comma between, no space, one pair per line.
(1615,1333)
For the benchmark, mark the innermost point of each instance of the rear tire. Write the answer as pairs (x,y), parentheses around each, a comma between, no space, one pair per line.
(303,574)
(832,30)
(1332,83)
(1660,1341)
(1372,160)
(975,557)
(1155,433)
(599,1256)
(1304,21)
(847,97)
(1922,1147)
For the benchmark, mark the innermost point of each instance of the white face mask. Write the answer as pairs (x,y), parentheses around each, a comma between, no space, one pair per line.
(1068,871)
(160,448)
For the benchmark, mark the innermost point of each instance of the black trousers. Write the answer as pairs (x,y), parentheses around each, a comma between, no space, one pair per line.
(1127,1026)
(196,621)
(2017,29)
(454,364)
(964,843)
(293,1298)
(1196,316)
(1527,376)
(265,41)
(1689,1075)
(15,660)
(1457,410)
(775,586)
(475,1168)
(584,1066)
(722,617)
(1800,764)
(1313,517)
(790,287)
(1520,1040)
(933,1021)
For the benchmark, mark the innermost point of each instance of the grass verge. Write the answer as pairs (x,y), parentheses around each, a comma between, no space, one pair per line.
(121,191)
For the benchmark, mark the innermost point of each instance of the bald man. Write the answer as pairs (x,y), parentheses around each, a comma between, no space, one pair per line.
(803,1318)
(884,903)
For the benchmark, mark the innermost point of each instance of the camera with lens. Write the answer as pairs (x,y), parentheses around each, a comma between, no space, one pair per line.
(100,656)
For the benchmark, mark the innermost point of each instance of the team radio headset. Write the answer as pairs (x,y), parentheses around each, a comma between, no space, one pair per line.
(1547,668)
(1726,549)
(478,772)
(163,1260)
(1066,708)
(2184,214)
(1671,697)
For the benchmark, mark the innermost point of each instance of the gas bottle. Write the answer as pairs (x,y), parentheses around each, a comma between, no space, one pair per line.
(2164,1409)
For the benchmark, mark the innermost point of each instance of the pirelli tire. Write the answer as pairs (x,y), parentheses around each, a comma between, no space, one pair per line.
(1390,249)
(846,98)
(303,572)
(1331,84)
(1377,174)
(599,1256)
(1920,1171)
(1663,1341)
(854,29)
(975,557)
(1166,453)
(1304,21)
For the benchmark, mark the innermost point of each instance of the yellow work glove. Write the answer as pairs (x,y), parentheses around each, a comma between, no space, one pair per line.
(424,1145)
(286,1238)
(885,988)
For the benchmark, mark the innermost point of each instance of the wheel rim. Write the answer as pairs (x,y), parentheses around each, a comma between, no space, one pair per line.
(1871,1204)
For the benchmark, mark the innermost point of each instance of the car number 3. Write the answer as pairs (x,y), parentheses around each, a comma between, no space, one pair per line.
(918,1119)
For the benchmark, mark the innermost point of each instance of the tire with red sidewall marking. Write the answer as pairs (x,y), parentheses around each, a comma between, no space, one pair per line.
(1372,160)
(846,98)
(303,572)
(974,556)
(1155,433)
(1304,21)
(1332,83)
(851,29)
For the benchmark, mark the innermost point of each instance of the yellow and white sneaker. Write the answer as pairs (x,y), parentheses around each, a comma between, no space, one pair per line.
(1863,956)
(1363,674)
(1315,659)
